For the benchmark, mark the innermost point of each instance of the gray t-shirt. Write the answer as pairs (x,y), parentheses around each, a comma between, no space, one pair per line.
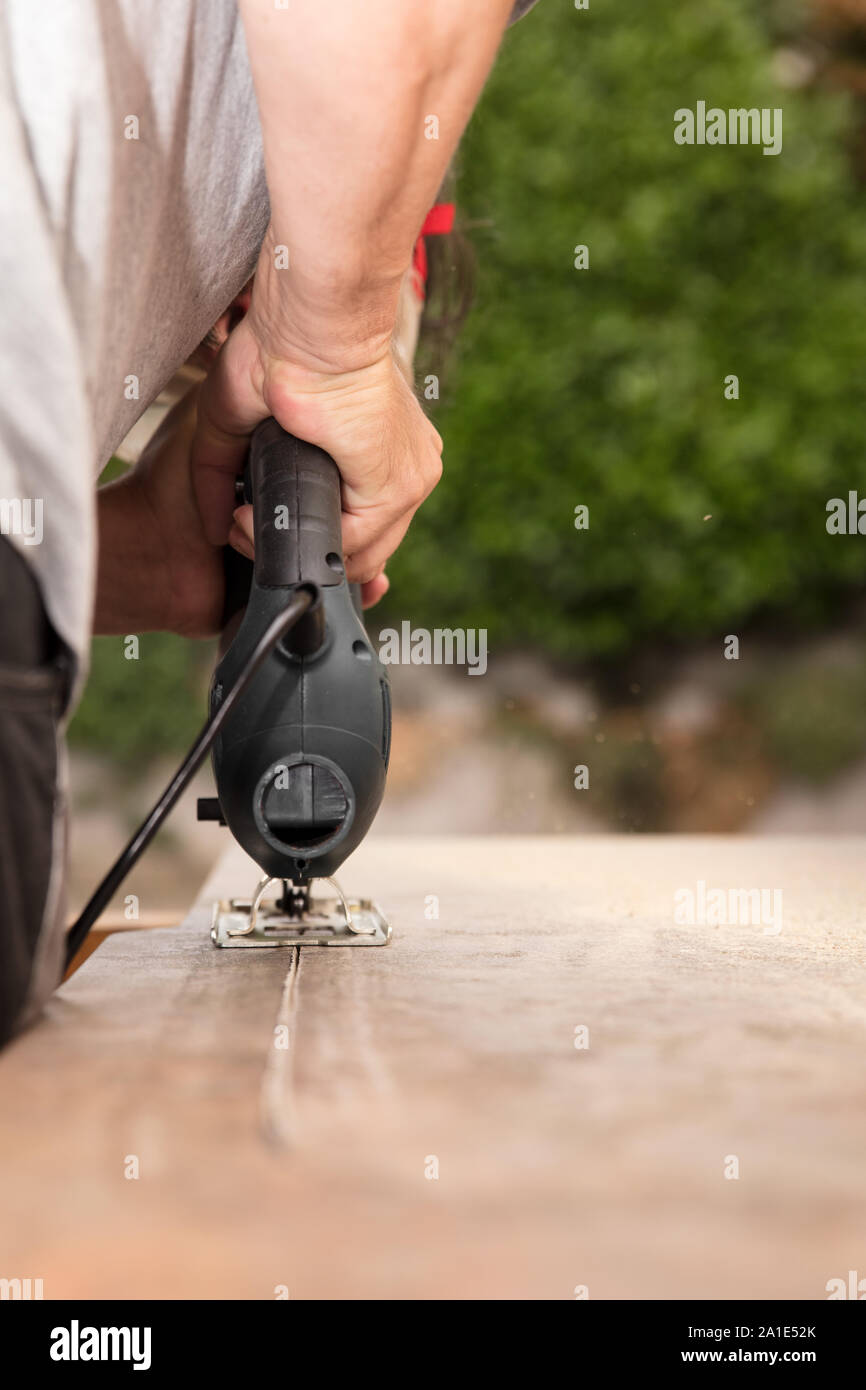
(134,205)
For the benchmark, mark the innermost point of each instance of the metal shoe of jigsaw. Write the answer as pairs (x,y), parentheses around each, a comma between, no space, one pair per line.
(300,762)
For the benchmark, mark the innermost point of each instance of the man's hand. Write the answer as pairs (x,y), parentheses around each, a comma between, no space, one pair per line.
(362,412)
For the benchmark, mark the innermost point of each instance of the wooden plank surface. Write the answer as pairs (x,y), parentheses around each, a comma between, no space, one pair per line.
(558,1167)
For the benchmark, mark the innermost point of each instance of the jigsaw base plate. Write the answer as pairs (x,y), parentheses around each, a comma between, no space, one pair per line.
(325,923)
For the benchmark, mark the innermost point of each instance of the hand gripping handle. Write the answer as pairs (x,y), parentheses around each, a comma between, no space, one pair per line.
(296,510)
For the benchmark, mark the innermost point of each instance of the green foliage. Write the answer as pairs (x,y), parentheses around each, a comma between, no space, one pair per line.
(134,710)
(605,386)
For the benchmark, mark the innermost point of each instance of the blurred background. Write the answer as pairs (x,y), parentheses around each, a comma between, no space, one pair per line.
(604,387)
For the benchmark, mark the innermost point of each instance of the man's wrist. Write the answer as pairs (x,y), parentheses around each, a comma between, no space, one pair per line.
(332,317)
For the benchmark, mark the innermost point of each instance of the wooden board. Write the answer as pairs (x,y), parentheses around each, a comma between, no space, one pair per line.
(558,1166)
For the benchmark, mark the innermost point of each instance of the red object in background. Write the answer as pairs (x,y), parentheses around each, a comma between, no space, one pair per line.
(438,222)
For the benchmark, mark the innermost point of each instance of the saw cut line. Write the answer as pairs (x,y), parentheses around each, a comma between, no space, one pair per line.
(277,1100)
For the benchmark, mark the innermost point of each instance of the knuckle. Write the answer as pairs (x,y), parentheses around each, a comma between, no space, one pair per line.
(435,470)
(364,572)
(417,490)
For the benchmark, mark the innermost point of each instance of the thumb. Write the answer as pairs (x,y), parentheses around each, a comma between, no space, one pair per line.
(230,406)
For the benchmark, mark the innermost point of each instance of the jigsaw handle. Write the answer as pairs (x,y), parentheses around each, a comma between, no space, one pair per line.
(296,511)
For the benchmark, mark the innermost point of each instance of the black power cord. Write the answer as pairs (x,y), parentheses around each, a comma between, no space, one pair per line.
(301,601)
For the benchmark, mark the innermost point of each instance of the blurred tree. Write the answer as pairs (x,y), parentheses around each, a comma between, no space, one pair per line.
(605,386)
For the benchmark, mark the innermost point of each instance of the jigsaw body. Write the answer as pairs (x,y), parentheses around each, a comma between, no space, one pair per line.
(300,763)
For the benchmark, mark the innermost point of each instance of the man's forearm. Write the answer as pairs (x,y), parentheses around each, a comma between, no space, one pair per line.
(350,95)
(156,570)
(132,582)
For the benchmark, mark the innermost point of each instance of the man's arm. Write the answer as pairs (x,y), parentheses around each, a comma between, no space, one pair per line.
(349,96)
(157,571)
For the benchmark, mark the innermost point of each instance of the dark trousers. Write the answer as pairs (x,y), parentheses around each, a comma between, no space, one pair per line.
(34,681)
